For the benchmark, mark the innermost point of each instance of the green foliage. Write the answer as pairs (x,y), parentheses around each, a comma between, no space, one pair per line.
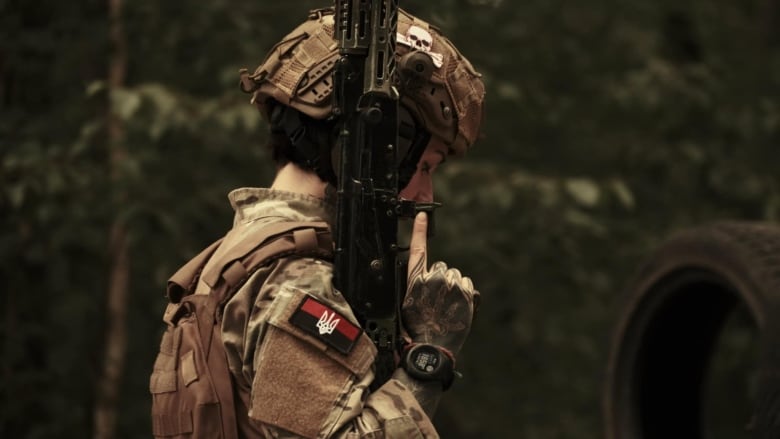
(610,124)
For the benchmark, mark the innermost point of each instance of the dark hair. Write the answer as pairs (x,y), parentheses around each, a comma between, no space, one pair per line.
(277,144)
(300,139)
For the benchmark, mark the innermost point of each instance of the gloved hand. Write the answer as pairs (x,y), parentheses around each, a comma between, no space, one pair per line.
(440,303)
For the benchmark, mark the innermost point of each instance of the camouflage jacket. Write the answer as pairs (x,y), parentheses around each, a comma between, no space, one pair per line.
(289,382)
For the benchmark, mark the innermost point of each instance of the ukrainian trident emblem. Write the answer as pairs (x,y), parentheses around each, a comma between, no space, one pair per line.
(327,323)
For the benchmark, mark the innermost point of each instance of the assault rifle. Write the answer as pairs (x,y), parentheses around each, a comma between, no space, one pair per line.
(368,268)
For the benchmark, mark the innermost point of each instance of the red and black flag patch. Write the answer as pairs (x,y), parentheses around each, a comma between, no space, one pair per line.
(326,325)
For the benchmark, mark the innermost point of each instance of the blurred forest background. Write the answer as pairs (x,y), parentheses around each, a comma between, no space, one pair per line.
(610,124)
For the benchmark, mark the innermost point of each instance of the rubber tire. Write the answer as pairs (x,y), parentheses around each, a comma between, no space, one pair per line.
(672,317)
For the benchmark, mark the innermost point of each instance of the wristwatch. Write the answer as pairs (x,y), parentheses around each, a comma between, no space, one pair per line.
(427,362)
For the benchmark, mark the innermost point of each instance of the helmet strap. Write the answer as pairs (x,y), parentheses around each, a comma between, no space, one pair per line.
(413,140)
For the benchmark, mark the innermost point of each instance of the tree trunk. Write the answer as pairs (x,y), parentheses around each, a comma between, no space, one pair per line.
(116,309)
(770,18)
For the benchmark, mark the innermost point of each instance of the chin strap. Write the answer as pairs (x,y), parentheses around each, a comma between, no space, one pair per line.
(407,166)
(412,141)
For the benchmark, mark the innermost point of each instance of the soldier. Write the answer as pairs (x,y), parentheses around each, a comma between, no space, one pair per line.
(289,380)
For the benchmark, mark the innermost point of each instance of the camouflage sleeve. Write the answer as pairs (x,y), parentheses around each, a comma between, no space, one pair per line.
(311,365)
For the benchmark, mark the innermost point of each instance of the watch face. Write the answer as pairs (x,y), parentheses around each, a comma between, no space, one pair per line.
(428,363)
(426,359)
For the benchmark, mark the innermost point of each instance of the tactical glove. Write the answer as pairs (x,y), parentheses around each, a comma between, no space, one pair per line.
(440,303)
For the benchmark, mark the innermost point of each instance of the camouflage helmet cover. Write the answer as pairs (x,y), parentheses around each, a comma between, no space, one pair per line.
(297,72)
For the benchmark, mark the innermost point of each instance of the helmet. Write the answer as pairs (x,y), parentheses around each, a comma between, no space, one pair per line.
(297,73)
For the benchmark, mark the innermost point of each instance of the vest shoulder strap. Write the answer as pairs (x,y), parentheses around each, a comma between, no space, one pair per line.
(278,240)
(183,282)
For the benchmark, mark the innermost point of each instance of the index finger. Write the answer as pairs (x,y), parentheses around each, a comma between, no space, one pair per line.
(418,246)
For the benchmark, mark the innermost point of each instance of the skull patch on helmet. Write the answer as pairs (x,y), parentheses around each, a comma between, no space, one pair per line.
(417,38)
(420,38)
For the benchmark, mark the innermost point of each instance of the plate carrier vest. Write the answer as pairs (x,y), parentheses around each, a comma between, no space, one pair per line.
(193,395)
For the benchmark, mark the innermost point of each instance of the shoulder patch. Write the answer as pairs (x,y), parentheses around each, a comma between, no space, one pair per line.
(326,325)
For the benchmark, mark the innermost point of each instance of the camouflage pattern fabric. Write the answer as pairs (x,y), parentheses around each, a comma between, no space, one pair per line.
(292,384)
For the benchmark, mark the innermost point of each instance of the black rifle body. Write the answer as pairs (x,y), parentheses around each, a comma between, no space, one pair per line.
(368,269)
